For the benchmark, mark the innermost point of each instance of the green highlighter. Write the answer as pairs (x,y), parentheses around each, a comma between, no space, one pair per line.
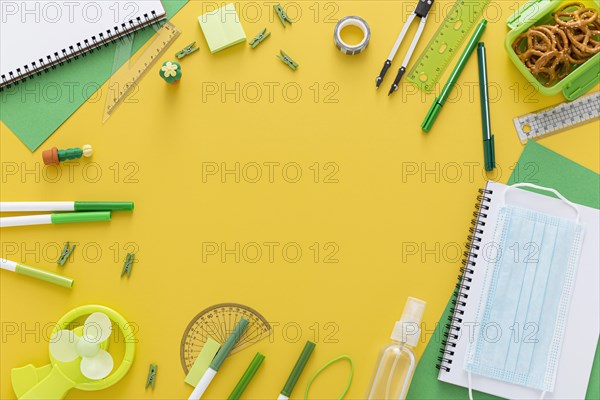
(247,377)
(286,392)
(437,105)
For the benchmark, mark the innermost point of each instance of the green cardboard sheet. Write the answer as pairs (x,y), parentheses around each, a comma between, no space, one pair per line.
(577,184)
(34,109)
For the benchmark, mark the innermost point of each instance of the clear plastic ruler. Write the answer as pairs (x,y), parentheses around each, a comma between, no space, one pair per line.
(558,118)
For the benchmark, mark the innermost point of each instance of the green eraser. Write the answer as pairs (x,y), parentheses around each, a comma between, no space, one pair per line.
(208,352)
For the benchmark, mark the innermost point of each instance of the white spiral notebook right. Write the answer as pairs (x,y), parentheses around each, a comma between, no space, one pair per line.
(38,35)
(583,318)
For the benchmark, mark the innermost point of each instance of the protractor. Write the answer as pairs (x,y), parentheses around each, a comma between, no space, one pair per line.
(217,322)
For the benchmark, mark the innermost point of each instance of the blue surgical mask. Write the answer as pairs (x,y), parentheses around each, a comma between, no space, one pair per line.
(529,283)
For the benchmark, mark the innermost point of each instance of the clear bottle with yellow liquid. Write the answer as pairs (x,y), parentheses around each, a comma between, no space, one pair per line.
(397,362)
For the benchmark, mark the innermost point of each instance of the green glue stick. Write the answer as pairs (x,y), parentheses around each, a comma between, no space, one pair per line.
(286,392)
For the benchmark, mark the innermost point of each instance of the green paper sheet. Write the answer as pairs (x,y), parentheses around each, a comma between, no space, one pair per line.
(208,352)
(54,96)
(577,184)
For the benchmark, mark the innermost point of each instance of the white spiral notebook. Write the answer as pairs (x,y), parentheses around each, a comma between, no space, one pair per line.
(36,36)
(583,318)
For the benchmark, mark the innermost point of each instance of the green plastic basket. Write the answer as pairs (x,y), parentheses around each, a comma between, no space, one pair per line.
(539,12)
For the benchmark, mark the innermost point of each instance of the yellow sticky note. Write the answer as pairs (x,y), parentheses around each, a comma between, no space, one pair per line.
(208,352)
(222,28)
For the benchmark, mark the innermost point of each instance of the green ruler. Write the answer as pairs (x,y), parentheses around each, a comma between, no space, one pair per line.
(445,43)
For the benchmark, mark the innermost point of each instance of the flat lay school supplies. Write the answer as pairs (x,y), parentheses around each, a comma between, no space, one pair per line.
(484,98)
(63,39)
(52,111)
(421,10)
(126,77)
(32,272)
(437,105)
(307,351)
(397,362)
(544,338)
(34,206)
(574,182)
(222,28)
(216,363)
(217,322)
(445,43)
(555,119)
(53,219)
(579,74)
(79,357)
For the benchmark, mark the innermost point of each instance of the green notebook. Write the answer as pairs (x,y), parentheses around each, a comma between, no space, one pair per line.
(546,168)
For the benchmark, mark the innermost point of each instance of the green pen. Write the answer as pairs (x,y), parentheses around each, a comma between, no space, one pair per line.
(53,219)
(460,65)
(488,138)
(26,270)
(247,377)
(286,392)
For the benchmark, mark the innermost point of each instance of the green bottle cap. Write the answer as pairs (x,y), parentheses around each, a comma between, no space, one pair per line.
(80,217)
(103,206)
(228,345)
(298,368)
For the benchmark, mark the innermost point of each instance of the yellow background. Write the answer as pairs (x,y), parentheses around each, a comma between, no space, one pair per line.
(152,151)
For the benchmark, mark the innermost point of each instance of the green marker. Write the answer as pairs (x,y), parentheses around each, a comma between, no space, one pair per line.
(488,138)
(48,206)
(247,377)
(286,392)
(47,219)
(35,273)
(460,65)
(218,360)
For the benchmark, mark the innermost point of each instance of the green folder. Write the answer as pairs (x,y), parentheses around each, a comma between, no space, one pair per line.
(576,183)
(34,109)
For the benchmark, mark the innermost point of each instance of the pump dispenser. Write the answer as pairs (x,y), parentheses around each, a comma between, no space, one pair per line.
(397,362)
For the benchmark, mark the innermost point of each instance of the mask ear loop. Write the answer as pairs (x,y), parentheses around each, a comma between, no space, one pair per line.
(325,367)
(554,191)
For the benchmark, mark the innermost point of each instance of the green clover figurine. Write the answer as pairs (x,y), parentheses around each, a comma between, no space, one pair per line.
(170,71)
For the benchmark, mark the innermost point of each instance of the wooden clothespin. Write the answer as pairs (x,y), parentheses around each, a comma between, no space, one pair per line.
(287,60)
(282,15)
(65,253)
(187,50)
(151,379)
(259,38)
(128,265)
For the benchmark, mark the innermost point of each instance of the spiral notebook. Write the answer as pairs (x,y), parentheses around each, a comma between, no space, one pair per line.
(583,324)
(40,35)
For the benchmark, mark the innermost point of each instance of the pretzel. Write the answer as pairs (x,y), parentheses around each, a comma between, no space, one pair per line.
(551,52)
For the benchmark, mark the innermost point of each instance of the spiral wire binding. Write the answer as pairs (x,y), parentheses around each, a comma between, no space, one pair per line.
(460,296)
(79,49)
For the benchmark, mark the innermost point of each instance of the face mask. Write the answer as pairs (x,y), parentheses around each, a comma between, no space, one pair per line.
(520,329)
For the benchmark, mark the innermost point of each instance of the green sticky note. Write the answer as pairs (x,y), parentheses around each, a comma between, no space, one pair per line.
(222,28)
(208,352)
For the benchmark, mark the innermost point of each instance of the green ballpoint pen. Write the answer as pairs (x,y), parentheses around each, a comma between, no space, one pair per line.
(488,138)
(460,65)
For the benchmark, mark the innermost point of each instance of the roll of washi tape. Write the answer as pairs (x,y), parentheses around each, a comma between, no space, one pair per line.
(351,21)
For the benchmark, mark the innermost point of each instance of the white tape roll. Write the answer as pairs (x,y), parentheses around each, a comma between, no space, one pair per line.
(354,21)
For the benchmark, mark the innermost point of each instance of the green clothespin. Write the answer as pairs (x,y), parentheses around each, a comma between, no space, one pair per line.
(287,60)
(187,50)
(128,264)
(65,253)
(259,38)
(282,15)
(151,380)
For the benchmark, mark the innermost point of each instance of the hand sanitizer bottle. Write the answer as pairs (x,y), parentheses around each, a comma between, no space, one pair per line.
(397,362)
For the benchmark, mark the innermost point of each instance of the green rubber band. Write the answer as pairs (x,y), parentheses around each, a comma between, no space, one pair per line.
(325,367)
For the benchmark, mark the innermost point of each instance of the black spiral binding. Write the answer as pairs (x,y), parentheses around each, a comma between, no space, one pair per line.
(58,58)
(452,328)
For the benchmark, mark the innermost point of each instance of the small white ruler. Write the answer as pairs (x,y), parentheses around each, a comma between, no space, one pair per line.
(558,118)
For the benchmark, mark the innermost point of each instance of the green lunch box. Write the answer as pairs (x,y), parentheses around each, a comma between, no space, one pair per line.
(539,12)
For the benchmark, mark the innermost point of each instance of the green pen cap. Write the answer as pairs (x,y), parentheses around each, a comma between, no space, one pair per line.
(247,377)
(43,275)
(431,116)
(229,343)
(80,217)
(103,206)
(298,368)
